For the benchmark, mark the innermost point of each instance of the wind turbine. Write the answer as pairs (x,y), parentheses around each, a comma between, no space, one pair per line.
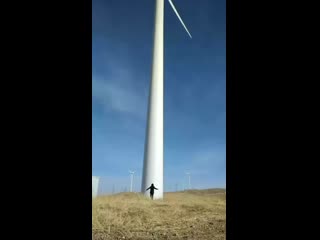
(131,179)
(153,152)
(95,186)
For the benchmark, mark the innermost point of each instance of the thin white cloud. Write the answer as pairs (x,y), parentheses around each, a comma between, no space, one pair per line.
(117,93)
(203,161)
(214,157)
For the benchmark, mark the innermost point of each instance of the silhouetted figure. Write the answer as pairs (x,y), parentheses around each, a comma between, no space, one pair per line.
(152,188)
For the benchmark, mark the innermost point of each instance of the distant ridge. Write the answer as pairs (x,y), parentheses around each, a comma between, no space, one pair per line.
(204,191)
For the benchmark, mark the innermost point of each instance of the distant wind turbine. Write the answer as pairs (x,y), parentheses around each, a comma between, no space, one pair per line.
(153,153)
(131,180)
(95,186)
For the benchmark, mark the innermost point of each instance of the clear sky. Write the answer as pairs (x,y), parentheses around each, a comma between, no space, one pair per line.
(195,91)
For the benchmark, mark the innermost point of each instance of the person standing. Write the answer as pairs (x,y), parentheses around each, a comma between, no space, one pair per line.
(152,188)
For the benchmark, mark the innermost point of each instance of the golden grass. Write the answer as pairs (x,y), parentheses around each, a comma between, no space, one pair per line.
(198,215)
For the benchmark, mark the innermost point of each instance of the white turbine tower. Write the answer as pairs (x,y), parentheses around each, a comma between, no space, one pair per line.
(131,180)
(153,153)
(95,186)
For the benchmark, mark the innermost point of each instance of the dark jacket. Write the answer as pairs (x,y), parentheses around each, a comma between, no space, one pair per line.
(152,188)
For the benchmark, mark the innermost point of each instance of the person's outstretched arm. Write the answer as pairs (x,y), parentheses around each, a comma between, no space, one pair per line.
(156,188)
(147,188)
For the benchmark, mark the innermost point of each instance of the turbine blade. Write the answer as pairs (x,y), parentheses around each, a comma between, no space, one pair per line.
(175,10)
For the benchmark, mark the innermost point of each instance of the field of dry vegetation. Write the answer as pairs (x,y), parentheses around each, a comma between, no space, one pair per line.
(196,214)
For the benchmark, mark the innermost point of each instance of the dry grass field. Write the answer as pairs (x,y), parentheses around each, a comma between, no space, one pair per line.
(196,214)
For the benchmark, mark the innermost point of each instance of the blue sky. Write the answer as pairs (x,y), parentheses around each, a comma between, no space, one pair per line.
(195,91)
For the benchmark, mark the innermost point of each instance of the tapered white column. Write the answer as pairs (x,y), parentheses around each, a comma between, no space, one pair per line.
(95,186)
(153,153)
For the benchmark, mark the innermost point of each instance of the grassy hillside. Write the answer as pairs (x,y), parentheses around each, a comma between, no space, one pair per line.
(196,214)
